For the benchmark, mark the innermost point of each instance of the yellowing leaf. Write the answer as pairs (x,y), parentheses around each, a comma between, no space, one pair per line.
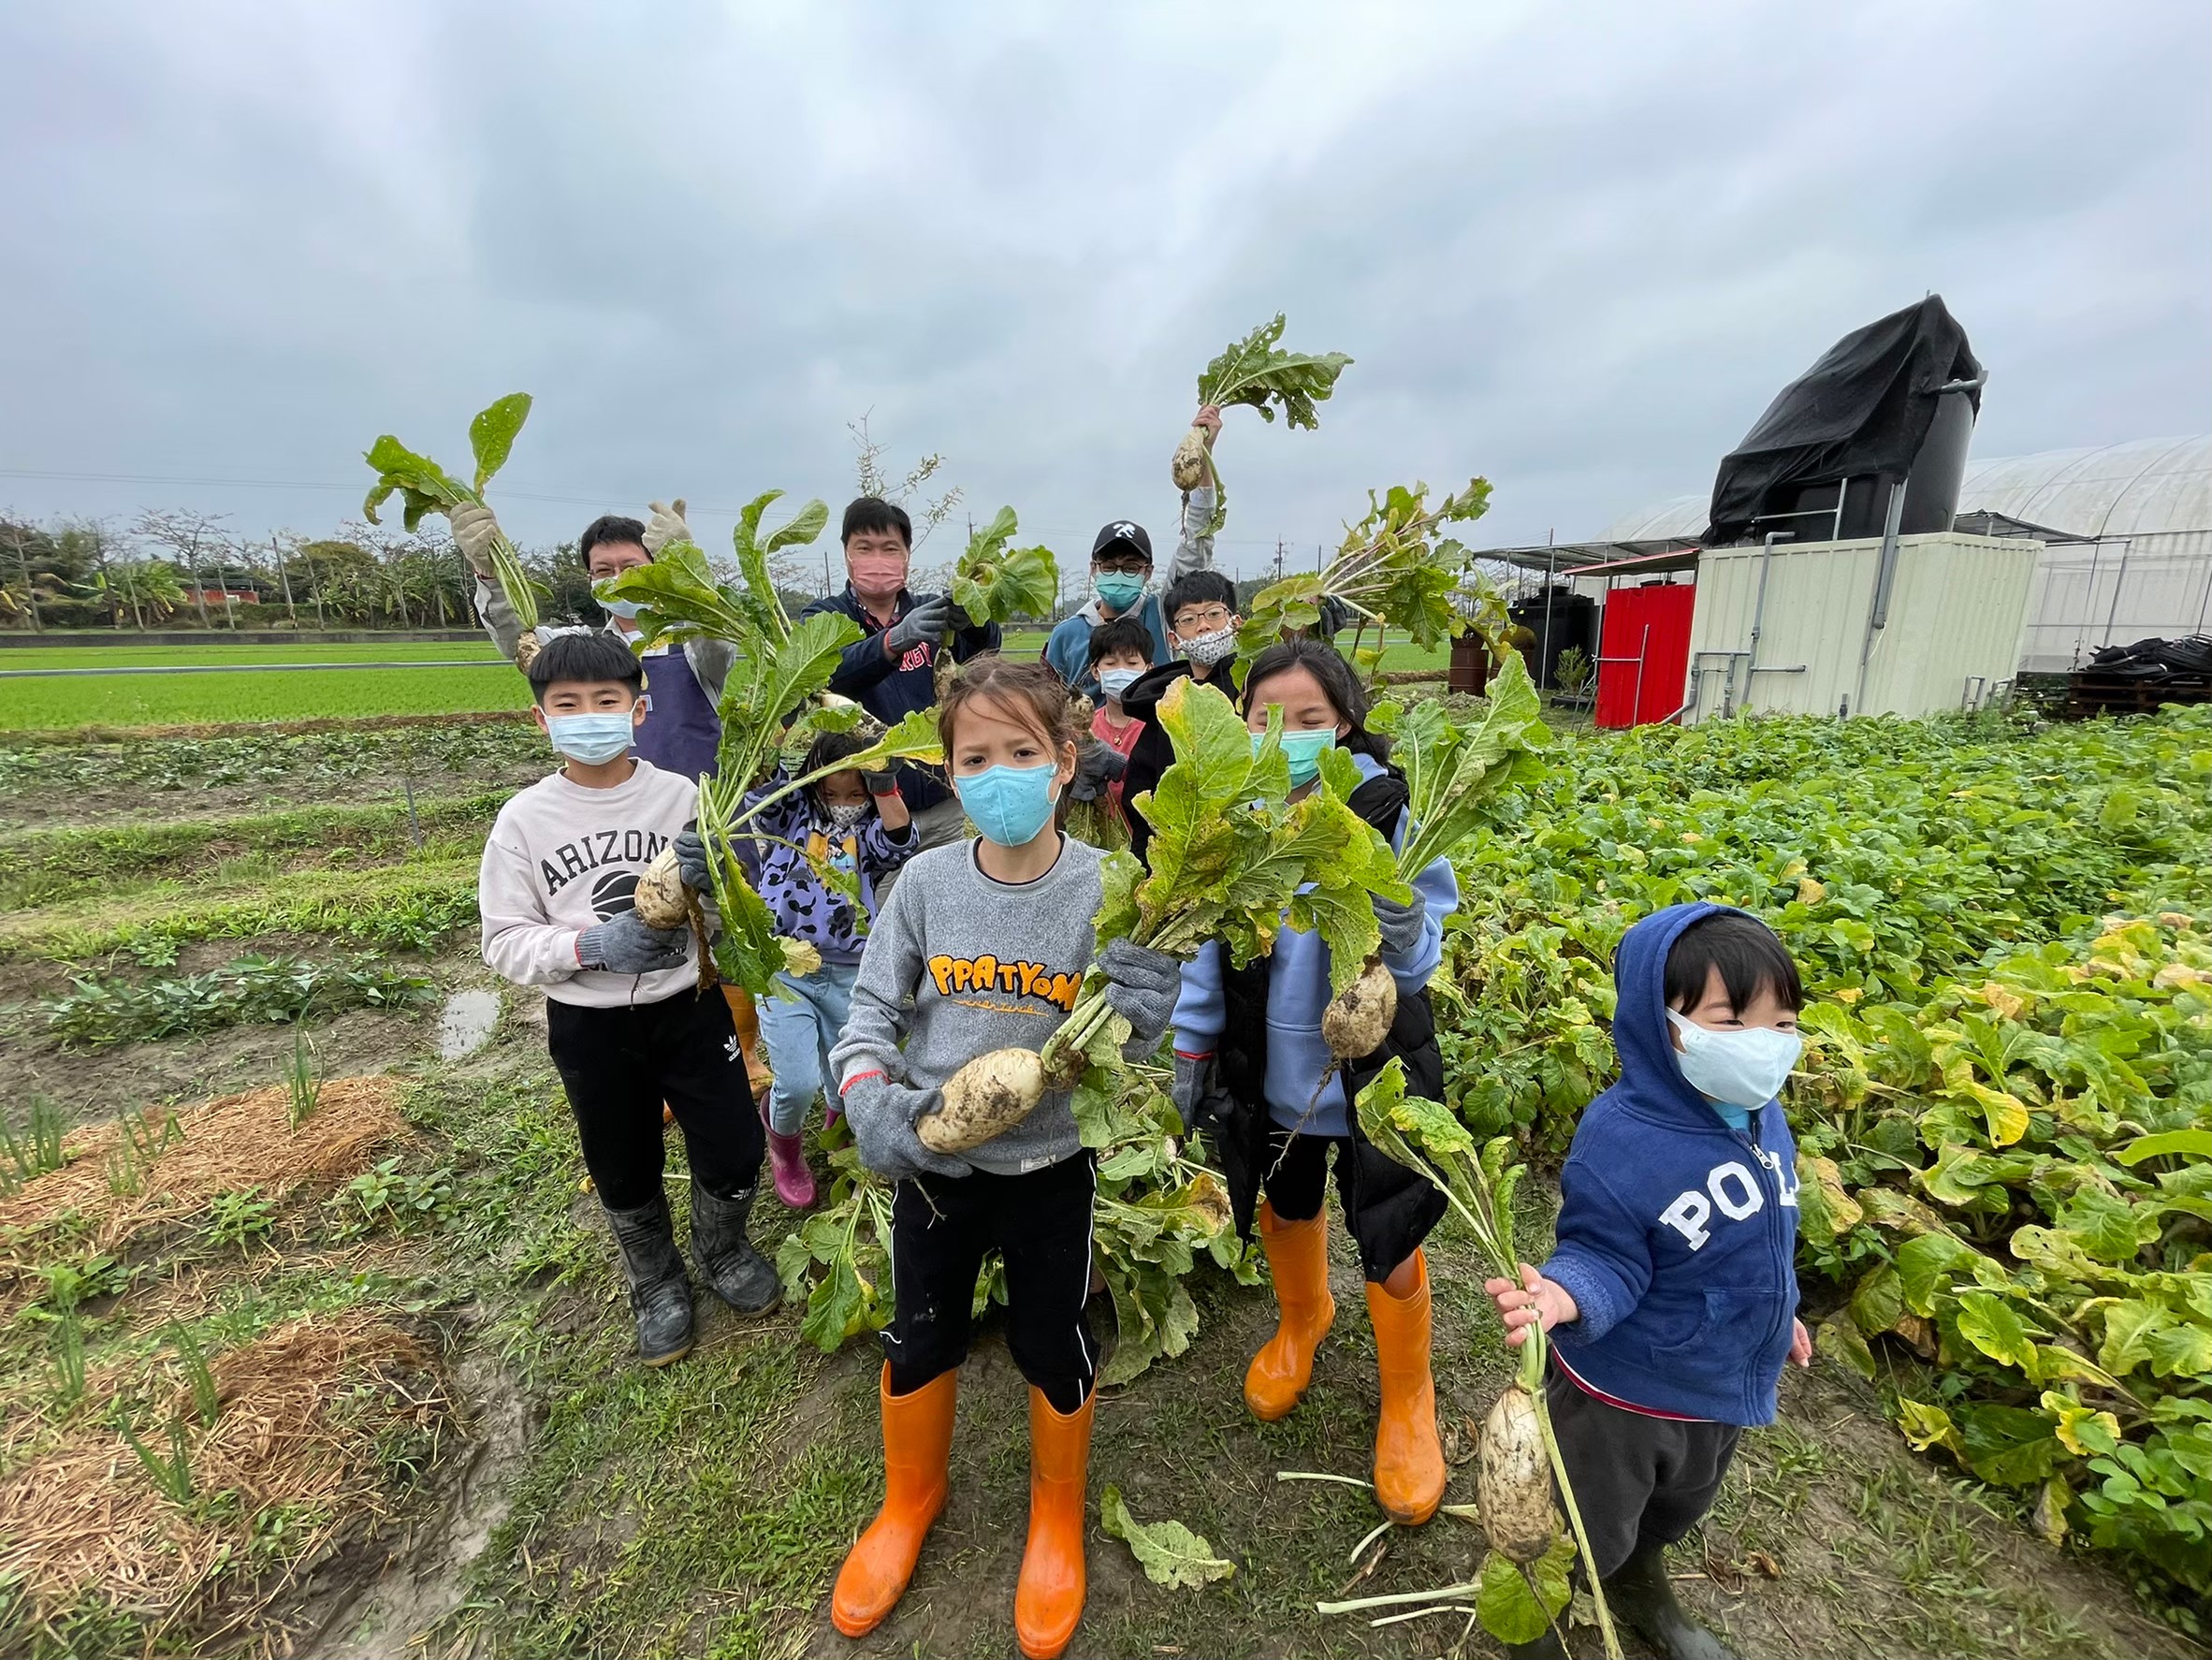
(1811,892)
(1925,1426)
(1169,1552)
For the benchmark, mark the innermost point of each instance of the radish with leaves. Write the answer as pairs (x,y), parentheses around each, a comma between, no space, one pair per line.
(1256,372)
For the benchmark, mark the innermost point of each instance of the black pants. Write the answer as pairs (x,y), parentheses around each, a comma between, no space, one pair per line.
(1040,1223)
(1383,1202)
(1640,1482)
(619,1065)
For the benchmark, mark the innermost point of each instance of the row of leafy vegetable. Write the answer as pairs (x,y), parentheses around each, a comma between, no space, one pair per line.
(2005,1114)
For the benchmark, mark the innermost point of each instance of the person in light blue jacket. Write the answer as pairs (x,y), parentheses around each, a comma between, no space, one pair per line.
(1251,1065)
(1671,1295)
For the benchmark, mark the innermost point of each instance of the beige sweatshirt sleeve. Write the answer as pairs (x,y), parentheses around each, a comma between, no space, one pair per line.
(520,942)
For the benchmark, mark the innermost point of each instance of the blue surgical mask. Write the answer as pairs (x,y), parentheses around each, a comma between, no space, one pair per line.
(593,738)
(1118,589)
(625,609)
(1114,682)
(1010,804)
(1743,1069)
(1302,749)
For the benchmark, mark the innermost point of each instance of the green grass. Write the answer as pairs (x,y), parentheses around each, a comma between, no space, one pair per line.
(407,906)
(116,657)
(162,700)
(45,866)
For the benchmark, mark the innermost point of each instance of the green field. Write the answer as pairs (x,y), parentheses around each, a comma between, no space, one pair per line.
(440,688)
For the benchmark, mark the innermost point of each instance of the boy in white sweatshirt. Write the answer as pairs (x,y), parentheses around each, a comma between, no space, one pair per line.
(624,1017)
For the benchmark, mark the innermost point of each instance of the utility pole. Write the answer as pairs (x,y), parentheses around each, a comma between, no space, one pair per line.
(200,592)
(1278,559)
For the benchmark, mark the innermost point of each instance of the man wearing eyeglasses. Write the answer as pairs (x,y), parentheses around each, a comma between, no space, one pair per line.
(1121,576)
(1202,616)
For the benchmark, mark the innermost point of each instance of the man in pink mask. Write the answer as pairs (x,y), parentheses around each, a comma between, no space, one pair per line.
(890,672)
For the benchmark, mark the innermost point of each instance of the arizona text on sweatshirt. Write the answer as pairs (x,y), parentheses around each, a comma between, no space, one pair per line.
(562,858)
(1677,1235)
(986,964)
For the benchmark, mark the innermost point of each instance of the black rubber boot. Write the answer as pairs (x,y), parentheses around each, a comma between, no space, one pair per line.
(740,1276)
(659,1294)
(1642,1595)
(1546,1647)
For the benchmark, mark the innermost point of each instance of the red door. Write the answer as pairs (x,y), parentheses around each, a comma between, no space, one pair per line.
(1643,654)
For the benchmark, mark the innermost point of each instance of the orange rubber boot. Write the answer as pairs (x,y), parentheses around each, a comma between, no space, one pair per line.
(917,1442)
(747,1022)
(1049,1600)
(1408,1458)
(1298,1261)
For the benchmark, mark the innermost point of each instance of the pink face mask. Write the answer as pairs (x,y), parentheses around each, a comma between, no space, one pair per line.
(876,576)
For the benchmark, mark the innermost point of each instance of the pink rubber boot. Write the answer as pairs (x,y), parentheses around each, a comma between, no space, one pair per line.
(787,1160)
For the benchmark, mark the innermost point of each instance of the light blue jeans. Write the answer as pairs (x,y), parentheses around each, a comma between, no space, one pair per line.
(798,1025)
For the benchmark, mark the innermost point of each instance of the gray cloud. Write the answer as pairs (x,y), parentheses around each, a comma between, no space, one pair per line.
(1575,252)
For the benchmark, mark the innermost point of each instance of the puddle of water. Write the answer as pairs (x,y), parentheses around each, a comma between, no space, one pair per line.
(466,1022)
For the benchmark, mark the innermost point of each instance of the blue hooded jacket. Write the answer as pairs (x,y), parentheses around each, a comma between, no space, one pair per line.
(1677,1235)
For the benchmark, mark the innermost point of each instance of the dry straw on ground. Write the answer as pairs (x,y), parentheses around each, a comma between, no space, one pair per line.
(301,1410)
(238,1141)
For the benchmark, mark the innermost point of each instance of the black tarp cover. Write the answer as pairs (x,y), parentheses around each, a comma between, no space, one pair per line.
(1865,407)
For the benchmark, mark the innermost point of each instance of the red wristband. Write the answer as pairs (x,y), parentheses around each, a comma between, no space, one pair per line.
(845,1089)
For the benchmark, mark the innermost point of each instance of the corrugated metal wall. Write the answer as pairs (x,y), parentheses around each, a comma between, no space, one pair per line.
(1955,611)
(2115,592)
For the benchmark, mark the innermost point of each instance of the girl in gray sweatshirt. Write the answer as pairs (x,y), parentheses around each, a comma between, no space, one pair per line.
(982,946)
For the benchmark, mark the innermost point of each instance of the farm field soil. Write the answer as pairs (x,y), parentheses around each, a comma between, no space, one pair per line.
(504,1479)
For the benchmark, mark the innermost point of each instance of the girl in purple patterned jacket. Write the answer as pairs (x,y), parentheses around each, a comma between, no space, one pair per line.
(857,824)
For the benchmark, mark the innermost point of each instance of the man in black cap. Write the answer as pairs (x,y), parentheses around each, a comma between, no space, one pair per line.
(1121,576)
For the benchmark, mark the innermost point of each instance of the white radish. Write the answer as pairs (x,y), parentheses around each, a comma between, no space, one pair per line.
(1357,1019)
(1513,1478)
(1189,464)
(661,899)
(984,1098)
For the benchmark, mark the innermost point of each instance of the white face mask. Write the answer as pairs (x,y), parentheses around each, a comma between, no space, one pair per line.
(1210,649)
(846,814)
(1744,1069)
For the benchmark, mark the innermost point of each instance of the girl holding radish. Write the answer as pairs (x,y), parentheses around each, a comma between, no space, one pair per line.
(980,949)
(1252,1064)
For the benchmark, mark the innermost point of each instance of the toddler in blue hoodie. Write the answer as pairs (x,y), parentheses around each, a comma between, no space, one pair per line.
(1671,1295)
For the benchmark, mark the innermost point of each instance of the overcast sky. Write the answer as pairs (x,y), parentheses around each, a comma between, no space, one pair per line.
(1574,249)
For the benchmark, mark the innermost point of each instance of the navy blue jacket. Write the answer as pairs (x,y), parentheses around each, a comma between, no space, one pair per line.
(1677,1235)
(893,690)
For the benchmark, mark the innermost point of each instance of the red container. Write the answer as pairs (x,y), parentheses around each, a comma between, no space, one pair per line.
(1643,654)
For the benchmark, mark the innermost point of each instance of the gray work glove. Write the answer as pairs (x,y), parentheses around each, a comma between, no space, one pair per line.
(623,944)
(958,620)
(1401,925)
(1335,617)
(882,1116)
(1097,765)
(879,783)
(929,620)
(1193,1087)
(690,859)
(666,525)
(473,528)
(1141,987)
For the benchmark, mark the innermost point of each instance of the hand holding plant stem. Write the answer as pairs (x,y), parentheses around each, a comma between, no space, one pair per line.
(426,488)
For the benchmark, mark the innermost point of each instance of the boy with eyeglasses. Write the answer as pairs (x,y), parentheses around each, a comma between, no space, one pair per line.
(1202,621)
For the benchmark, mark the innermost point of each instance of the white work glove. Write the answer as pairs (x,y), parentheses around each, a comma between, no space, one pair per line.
(666,525)
(473,528)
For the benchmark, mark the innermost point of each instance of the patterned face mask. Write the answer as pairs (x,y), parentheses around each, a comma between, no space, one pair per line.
(846,814)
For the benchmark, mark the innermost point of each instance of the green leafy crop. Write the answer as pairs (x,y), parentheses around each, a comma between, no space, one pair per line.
(1257,373)
(426,488)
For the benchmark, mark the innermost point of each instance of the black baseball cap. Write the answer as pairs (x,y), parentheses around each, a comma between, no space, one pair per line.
(1123,536)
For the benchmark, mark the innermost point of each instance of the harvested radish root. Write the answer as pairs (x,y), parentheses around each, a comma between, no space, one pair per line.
(660,897)
(1359,1018)
(1513,1480)
(1188,463)
(984,1098)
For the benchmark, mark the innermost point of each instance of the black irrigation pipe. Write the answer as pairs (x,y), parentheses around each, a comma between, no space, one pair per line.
(261,668)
